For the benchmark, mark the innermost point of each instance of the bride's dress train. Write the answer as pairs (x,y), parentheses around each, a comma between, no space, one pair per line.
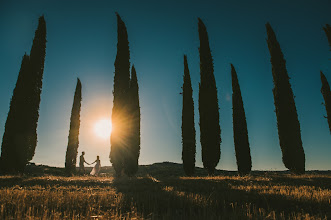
(96,169)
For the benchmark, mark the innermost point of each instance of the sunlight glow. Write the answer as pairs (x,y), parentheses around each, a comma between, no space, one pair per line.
(103,128)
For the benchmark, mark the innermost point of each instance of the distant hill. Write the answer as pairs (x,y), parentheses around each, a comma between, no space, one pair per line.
(160,169)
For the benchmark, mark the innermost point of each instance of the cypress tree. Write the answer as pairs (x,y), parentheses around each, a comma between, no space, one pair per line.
(132,155)
(120,119)
(287,118)
(327,98)
(37,60)
(188,129)
(240,133)
(210,132)
(73,140)
(14,143)
(20,137)
(327,30)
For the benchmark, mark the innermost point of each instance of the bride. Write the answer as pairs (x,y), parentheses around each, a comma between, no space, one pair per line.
(96,169)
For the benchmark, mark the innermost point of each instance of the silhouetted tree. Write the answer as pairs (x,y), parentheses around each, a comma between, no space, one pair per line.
(188,129)
(240,133)
(210,132)
(327,30)
(20,137)
(14,143)
(37,60)
(327,98)
(132,155)
(73,138)
(287,118)
(120,116)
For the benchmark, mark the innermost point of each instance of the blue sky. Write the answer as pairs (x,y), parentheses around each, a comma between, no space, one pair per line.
(82,42)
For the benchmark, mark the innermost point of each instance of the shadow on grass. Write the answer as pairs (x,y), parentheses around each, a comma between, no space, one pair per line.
(318,182)
(185,198)
(227,196)
(151,200)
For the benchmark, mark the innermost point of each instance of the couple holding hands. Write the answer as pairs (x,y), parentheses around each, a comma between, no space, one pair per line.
(96,169)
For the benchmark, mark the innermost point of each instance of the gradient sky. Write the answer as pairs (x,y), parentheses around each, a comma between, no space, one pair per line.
(81,42)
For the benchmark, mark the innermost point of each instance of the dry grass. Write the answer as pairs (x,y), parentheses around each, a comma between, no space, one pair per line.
(261,195)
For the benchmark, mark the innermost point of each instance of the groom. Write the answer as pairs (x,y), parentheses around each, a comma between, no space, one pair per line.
(81,163)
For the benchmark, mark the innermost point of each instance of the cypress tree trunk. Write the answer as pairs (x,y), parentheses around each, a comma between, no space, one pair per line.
(132,156)
(120,119)
(327,98)
(240,133)
(210,132)
(73,138)
(20,137)
(287,118)
(327,30)
(188,129)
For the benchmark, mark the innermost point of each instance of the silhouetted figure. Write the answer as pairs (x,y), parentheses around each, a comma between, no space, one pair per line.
(96,169)
(81,163)
(73,140)
(287,118)
(240,133)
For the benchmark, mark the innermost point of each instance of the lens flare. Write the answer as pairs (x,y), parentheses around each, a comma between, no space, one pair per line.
(103,128)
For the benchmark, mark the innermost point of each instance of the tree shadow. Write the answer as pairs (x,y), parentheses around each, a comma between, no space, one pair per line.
(225,192)
(318,182)
(194,198)
(152,199)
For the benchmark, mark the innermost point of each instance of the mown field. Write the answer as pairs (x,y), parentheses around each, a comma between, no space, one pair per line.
(162,192)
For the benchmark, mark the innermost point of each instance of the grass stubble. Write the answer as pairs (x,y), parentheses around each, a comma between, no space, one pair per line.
(261,195)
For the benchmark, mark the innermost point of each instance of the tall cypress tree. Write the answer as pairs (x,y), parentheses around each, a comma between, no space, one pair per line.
(188,129)
(132,155)
(20,137)
(210,131)
(327,98)
(14,143)
(120,116)
(327,30)
(37,60)
(287,118)
(73,138)
(240,133)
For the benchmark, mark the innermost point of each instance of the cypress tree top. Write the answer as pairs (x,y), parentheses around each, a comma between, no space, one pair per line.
(38,49)
(122,61)
(205,54)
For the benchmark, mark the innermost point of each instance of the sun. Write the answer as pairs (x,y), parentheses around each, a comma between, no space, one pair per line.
(103,128)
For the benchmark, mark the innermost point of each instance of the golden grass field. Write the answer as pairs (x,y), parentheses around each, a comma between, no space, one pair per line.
(261,195)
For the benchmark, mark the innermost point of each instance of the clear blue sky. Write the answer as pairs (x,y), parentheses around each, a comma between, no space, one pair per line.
(82,42)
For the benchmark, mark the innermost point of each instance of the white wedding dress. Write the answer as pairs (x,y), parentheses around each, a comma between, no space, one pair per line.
(96,169)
